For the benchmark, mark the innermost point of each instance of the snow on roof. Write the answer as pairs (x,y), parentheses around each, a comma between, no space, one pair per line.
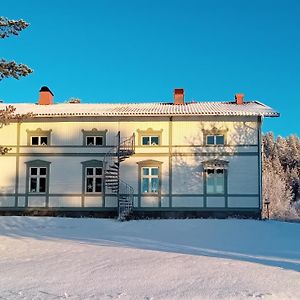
(251,108)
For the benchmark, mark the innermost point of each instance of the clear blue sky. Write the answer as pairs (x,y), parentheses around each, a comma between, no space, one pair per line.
(133,51)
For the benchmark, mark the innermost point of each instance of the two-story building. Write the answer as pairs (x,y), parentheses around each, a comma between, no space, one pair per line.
(175,159)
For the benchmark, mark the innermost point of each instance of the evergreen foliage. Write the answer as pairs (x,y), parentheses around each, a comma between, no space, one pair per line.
(281,175)
(11,68)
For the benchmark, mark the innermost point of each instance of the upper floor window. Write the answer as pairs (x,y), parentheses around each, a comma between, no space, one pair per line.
(39,140)
(149,137)
(217,139)
(215,136)
(94,137)
(38,176)
(150,140)
(38,137)
(94,140)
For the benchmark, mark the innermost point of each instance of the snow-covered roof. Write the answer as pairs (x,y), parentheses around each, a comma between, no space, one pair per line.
(249,108)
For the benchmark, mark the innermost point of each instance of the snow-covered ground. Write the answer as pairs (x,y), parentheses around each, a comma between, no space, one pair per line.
(57,258)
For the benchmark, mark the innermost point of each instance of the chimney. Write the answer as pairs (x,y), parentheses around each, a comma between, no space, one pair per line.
(239,99)
(179,96)
(46,96)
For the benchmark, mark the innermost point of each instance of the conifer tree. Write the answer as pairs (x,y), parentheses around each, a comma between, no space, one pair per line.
(11,68)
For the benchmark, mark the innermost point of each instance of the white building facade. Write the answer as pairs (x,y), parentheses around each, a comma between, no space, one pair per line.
(176,159)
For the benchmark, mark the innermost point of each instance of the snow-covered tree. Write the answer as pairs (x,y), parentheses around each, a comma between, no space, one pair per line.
(11,68)
(281,175)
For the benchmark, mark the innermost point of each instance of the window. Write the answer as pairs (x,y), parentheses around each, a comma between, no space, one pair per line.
(92,176)
(39,140)
(93,179)
(150,140)
(37,179)
(94,137)
(94,140)
(149,137)
(215,181)
(150,180)
(38,137)
(215,139)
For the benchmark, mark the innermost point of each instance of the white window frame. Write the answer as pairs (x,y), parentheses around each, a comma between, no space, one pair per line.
(150,140)
(150,177)
(94,176)
(94,140)
(39,140)
(38,177)
(215,179)
(215,139)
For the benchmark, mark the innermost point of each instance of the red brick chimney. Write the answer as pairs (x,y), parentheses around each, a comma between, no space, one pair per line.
(239,99)
(179,96)
(46,96)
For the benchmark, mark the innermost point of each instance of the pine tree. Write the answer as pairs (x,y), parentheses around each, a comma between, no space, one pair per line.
(11,68)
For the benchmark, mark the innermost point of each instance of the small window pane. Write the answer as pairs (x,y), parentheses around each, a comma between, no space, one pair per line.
(154,171)
(220,139)
(90,140)
(44,141)
(34,140)
(33,171)
(89,171)
(145,140)
(210,185)
(33,185)
(154,185)
(220,184)
(99,140)
(220,171)
(154,140)
(145,185)
(42,185)
(98,171)
(145,171)
(43,171)
(98,185)
(210,140)
(89,185)
(210,171)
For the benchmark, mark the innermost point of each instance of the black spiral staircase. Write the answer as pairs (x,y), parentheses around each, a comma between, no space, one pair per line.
(123,191)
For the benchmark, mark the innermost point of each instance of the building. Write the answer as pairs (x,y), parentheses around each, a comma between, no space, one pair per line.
(174,159)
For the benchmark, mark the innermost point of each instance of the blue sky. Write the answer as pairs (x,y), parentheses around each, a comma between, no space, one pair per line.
(134,51)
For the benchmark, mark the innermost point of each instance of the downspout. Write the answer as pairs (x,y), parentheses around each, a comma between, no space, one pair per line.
(260,119)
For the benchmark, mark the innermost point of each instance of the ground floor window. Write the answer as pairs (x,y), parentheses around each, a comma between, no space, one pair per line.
(37,179)
(37,176)
(93,179)
(215,181)
(215,176)
(92,176)
(150,180)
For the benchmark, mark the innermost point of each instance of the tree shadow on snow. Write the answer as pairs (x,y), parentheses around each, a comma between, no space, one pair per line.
(268,243)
